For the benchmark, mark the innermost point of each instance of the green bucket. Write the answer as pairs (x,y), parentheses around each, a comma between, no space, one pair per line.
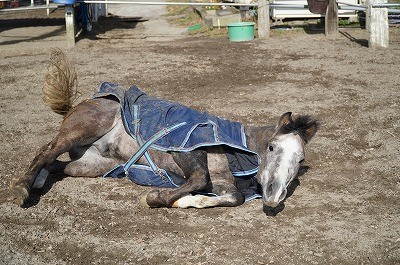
(241,31)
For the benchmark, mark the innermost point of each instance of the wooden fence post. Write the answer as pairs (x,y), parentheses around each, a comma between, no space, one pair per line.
(377,25)
(332,19)
(70,26)
(263,19)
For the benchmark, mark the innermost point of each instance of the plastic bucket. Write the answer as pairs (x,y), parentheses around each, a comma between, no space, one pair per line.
(241,31)
(64,2)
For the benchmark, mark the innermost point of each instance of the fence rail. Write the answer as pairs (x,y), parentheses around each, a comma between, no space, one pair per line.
(297,6)
(263,7)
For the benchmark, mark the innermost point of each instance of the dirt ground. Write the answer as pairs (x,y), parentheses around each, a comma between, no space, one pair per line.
(346,209)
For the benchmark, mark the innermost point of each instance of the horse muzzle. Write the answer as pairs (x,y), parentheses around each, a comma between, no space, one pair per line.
(274,195)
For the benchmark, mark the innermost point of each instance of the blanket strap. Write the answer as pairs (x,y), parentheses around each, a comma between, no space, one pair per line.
(145,145)
(139,139)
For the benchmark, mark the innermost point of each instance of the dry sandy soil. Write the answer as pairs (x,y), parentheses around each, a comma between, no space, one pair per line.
(346,209)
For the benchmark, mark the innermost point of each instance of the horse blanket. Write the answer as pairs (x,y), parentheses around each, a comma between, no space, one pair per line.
(169,126)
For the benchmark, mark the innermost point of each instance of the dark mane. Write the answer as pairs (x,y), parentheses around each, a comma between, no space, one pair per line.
(300,125)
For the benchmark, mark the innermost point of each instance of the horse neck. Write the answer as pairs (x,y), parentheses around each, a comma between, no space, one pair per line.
(257,141)
(257,137)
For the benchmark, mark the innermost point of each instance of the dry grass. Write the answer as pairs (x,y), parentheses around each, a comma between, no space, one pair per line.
(186,16)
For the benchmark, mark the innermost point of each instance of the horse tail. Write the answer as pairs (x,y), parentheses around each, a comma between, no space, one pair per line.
(60,86)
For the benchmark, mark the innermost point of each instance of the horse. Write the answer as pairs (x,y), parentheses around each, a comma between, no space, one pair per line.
(94,135)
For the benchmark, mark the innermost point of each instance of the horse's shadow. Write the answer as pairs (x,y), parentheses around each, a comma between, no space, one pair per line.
(36,194)
(270,211)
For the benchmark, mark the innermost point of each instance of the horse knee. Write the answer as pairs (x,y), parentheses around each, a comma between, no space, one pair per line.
(236,198)
(153,199)
(199,180)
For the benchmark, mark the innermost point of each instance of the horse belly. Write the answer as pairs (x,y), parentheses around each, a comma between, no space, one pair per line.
(117,143)
(166,161)
(121,145)
(218,166)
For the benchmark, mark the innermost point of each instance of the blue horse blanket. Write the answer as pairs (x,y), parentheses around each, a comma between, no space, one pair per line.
(169,126)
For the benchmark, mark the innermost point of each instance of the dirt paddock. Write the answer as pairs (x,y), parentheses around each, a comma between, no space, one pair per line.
(345,210)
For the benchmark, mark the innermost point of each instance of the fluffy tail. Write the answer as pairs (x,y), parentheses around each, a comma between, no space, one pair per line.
(60,86)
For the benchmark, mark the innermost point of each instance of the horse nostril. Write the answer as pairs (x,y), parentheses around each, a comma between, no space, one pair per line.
(283,195)
(270,189)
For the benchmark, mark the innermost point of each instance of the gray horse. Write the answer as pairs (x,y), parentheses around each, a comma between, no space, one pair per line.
(94,134)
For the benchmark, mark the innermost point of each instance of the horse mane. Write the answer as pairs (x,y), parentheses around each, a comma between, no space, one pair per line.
(60,86)
(300,125)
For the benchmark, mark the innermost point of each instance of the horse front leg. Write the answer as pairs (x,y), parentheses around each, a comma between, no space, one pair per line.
(224,190)
(225,194)
(194,166)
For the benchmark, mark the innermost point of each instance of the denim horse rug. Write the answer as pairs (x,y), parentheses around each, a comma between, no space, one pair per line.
(169,126)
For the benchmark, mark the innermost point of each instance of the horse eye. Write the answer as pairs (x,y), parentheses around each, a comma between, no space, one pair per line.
(270,148)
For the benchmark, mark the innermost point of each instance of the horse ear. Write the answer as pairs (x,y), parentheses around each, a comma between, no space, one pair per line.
(285,119)
(310,131)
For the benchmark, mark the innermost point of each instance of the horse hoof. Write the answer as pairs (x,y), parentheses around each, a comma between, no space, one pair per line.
(152,199)
(20,195)
(41,179)
(143,200)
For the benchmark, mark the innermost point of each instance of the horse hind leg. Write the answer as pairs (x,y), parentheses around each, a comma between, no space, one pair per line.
(84,125)
(21,185)
(88,165)
(88,161)
(91,164)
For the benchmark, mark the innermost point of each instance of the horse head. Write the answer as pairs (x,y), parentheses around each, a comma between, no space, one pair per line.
(285,152)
